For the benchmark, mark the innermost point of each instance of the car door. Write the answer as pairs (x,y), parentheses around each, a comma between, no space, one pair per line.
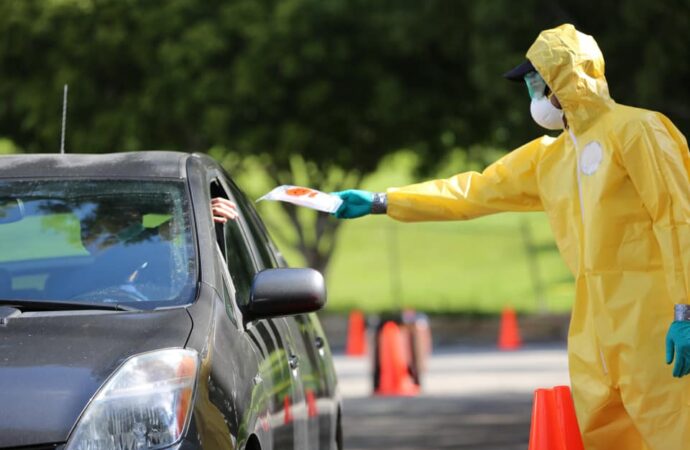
(230,386)
(319,378)
(279,365)
(308,342)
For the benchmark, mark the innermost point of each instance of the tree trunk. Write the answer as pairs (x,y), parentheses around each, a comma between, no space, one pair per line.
(316,238)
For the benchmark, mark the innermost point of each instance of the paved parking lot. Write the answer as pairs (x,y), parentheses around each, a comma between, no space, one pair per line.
(473,398)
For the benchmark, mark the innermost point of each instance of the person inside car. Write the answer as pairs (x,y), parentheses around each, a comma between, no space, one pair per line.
(128,256)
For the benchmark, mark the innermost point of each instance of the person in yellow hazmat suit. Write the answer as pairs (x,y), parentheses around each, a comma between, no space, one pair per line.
(615,185)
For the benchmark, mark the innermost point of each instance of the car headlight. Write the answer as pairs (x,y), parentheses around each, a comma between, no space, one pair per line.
(144,405)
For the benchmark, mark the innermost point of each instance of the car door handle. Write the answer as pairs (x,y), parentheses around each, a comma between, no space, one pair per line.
(293,361)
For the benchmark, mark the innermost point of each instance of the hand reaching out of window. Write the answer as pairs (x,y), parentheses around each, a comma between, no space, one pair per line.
(223,210)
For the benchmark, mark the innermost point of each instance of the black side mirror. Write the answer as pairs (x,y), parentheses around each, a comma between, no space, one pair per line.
(284,292)
(11,210)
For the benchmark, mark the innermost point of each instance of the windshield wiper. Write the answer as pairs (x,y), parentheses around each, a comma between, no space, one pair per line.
(40,305)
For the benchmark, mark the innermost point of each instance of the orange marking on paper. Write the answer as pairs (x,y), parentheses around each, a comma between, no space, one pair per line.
(300,192)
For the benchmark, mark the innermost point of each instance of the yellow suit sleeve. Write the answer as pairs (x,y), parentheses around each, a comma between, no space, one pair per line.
(509,184)
(655,155)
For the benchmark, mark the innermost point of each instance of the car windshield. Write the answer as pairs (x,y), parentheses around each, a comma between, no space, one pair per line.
(106,241)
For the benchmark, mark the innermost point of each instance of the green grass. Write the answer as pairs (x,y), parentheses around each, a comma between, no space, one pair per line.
(477,266)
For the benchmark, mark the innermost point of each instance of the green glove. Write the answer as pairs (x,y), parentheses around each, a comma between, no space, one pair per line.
(356,203)
(678,345)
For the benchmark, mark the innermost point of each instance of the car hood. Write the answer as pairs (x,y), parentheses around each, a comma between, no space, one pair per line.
(52,364)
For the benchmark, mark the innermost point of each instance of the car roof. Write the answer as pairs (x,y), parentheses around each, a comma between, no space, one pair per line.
(142,164)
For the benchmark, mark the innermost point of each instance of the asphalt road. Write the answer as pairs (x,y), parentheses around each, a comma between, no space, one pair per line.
(473,398)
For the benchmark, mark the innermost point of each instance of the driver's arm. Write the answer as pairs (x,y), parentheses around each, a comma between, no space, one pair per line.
(223,210)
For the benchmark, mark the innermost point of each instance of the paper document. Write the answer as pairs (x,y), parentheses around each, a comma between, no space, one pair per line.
(303,196)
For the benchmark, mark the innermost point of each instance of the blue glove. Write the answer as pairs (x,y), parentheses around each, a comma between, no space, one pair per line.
(356,203)
(678,344)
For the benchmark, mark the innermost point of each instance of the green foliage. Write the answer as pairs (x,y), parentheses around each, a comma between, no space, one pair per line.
(8,147)
(340,82)
(326,88)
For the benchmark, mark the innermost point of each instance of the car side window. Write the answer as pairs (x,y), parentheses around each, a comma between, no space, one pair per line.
(237,253)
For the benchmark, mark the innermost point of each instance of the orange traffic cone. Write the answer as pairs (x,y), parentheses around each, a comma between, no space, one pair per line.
(356,335)
(509,334)
(312,410)
(395,378)
(288,410)
(554,425)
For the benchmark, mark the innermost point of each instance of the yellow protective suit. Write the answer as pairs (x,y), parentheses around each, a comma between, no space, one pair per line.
(616,189)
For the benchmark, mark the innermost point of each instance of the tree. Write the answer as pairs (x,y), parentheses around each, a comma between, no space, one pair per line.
(326,86)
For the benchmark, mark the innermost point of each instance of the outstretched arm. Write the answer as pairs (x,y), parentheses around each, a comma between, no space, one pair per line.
(509,184)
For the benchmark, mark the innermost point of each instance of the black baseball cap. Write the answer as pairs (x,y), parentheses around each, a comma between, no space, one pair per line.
(518,73)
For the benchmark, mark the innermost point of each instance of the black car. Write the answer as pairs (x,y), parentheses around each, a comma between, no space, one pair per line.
(130,320)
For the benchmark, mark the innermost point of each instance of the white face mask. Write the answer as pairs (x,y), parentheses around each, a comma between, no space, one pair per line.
(545,114)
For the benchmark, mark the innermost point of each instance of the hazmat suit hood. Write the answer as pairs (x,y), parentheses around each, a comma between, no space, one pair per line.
(573,67)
